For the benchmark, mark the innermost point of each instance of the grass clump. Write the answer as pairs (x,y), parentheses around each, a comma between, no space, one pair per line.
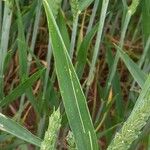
(87,58)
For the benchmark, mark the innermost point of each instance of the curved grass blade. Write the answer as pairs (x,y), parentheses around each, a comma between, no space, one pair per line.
(138,75)
(71,91)
(21,89)
(10,126)
(83,51)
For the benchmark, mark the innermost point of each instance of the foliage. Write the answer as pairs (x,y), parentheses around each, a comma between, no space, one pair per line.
(89,59)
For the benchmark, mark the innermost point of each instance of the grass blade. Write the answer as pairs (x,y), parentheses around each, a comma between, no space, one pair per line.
(21,89)
(22,48)
(95,7)
(72,94)
(7,19)
(138,75)
(83,52)
(10,126)
(97,44)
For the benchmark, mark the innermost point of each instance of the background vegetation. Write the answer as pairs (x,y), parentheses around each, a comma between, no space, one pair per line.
(74,74)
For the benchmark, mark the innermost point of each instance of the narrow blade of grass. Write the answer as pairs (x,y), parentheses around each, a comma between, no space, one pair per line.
(10,126)
(97,43)
(21,89)
(71,91)
(138,75)
(83,51)
(22,49)
(117,88)
(7,19)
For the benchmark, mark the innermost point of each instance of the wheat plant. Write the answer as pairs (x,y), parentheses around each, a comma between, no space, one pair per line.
(88,59)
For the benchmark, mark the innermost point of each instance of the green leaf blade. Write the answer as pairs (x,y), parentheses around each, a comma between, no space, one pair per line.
(21,89)
(10,126)
(138,75)
(73,97)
